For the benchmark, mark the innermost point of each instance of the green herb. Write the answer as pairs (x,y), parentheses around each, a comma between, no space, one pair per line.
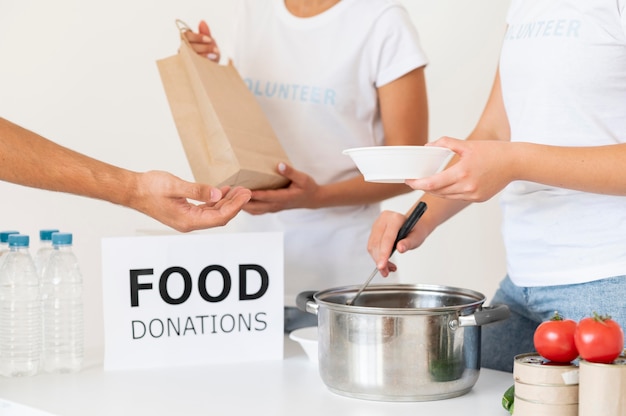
(508,399)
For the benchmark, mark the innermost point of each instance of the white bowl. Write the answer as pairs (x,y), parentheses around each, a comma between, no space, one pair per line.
(395,164)
(307,337)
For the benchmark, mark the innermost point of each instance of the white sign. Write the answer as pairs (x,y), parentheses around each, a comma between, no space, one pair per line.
(192,299)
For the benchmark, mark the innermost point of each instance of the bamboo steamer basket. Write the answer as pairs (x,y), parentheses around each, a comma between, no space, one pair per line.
(547,393)
(532,368)
(545,388)
(603,388)
(528,408)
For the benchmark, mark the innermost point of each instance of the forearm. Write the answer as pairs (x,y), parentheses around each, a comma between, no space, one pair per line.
(591,169)
(357,191)
(31,160)
(439,211)
(597,169)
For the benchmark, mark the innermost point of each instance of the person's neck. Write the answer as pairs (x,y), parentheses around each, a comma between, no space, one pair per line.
(309,8)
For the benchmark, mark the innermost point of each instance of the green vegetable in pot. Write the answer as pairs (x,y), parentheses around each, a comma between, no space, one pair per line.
(445,355)
(446,369)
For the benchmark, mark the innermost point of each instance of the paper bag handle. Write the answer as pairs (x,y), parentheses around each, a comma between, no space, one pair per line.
(182,28)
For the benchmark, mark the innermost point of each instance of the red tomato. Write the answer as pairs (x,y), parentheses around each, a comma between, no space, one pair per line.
(554,339)
(599,339)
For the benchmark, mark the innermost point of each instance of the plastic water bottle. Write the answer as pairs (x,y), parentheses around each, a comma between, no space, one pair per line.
(62,308)
(20,311)
(4,241)
(44,250)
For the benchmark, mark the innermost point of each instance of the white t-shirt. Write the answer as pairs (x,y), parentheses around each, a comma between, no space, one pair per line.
(316,80)
(563,73)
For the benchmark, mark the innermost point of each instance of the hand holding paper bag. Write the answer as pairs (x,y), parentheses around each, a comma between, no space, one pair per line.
(226,137)
(202,42)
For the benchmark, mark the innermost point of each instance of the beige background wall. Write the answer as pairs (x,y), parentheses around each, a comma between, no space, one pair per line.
(83,74)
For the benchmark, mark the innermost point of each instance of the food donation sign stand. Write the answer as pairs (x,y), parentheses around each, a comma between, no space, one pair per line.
(192,299)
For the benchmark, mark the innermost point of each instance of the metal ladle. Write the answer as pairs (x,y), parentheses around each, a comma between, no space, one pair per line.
(406,228)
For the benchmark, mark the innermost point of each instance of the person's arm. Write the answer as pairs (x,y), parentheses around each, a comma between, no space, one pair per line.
(404,113)
(488,161)
(163,196)
(493,125)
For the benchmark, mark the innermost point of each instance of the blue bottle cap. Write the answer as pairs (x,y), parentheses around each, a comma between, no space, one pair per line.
(4,235)
(61,239)
(19,240)
(46,235)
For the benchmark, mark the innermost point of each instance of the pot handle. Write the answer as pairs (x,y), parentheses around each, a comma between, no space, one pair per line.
(306,303)
(486,315)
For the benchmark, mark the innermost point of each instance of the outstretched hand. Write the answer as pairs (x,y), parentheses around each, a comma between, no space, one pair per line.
(168,199)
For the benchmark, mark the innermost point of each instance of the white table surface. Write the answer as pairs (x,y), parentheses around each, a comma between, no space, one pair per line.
(288,387)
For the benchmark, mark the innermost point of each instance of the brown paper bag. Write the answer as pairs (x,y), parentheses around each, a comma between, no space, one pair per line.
(226,137)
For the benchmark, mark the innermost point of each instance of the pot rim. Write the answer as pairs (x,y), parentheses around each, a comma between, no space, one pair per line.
(422,287)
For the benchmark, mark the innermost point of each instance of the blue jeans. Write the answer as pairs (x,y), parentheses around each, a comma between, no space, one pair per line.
(502,341)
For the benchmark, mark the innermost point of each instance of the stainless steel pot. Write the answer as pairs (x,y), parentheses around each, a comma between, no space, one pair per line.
(402,342)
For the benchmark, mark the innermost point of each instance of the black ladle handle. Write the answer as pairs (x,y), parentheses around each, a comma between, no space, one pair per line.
(406,228)
(410,222)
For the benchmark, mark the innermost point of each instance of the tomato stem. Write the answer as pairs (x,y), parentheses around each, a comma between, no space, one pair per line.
(556,316)
(600,318)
